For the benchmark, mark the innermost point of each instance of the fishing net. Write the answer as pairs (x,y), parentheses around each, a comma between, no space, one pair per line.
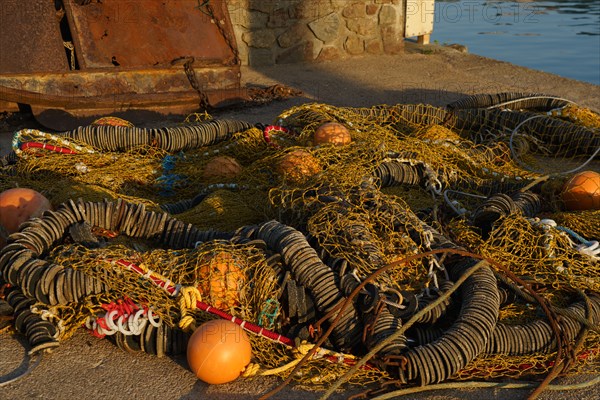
(233,278)
(530,248)
(578,115)
(266,227)
(531,365)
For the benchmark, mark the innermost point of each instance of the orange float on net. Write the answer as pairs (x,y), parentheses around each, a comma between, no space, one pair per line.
(218,351)
(222,167)
(332,132)
(298,165)
(582,192)
(18,205)
(111,121)
(221,279)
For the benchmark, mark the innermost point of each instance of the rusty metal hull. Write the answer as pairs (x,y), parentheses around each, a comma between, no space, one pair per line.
(30,38)
(65,100)
(126,53)
(139,33)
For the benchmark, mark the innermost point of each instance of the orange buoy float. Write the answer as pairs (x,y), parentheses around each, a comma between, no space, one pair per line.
(332,132)
(221,279)
(298,165)
(582,192)
(112,121)
(218,351)
(18,205)
(222,167)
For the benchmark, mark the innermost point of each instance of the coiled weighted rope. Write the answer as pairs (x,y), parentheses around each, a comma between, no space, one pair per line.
(171,139)
(21,267)
(311,272)
(561,138)
(510,100)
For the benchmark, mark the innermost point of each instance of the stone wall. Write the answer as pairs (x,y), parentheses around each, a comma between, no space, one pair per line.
(284,31)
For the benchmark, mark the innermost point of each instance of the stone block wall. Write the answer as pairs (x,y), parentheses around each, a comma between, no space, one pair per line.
(284,31)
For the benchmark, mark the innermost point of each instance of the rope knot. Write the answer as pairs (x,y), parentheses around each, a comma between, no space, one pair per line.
(251,370)
(188,297)
(302,349)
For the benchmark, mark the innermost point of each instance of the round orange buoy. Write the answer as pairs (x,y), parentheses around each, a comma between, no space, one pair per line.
(582,192)
(112,121)
(332,132)
(218,351)
(221,279)
(18,205)
(222,167)
(298,165)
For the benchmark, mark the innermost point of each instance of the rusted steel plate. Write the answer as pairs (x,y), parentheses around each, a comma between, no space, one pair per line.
(134,108)
(83,89)
(146,33)
(65,100)
(144,37)
(8,106)
(30,38)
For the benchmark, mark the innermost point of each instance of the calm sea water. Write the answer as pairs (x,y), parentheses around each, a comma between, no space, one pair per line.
(561,37)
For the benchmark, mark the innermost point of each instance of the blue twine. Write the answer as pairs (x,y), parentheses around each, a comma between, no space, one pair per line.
(16,142)
(168,163)
(575,235)
(167,181)
(270,316)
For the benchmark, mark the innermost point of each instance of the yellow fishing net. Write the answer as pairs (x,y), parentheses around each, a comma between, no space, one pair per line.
(502,366)
(579,115)
(543,253)
(233,278)
(339,202)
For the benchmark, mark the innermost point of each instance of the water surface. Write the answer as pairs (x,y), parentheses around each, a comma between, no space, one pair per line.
(561,37)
